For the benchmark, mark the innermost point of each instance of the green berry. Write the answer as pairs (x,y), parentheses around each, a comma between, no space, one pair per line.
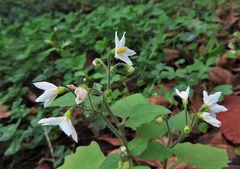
(159,120)
(186,130)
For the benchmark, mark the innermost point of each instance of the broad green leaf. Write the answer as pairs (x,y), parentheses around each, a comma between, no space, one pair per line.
(111,162)
(84,157)
(145,113)
(204,156)
(152,130)
(156,151)
(138,145)
(225,89)
(122,107)
(13,148)
(178,121)
(67,99)
(141,167)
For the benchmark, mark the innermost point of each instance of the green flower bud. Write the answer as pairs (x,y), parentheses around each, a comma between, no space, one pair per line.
(97,62)
(113,51)
(186,130)
(159,120)
(108,93)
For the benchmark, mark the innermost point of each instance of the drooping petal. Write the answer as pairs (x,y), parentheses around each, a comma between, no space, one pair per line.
(74,133)
(116,41)
(216,108)
(211,120)
(213,98)
(81,94)
(46,95)
(49,100)
(129,52)
(122,41)
(65,127)
(44,85)
(124,59)
(51,121)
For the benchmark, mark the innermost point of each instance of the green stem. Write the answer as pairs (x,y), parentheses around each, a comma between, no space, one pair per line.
(113,129)
(169,142)
(109,72)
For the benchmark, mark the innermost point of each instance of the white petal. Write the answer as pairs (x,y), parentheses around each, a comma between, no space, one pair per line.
(44,85)
(178,93)
(124,59)
(122,41)
(211,120)
(48,101)
(47,97)
(81,94)
(129,52)
(205,97)
(216,108)
(116,41)
(66,127)
(74,133)
(187,92)
(51,121)
(213,98)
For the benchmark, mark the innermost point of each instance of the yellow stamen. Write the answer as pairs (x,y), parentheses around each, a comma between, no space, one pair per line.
(121,50)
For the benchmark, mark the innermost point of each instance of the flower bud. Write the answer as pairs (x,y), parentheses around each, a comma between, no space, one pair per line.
(159,120)
(97,62)
(123,150)
(186,130)
(113,51)
(108,93)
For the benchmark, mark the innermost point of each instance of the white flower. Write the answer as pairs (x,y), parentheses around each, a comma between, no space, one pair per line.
(81,94)
(209,119)
(210,102)
(121,51)
(64,123)
(183,94)
(50,92)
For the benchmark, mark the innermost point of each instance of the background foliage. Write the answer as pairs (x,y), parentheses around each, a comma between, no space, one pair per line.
(57,40)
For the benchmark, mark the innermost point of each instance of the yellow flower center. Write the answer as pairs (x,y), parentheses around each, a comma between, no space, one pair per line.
(121,50)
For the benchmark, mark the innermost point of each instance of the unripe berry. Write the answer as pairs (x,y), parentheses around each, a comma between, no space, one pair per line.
(186,130)
(159,120)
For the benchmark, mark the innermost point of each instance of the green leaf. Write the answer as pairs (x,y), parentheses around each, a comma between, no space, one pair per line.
(111,162)
(178,121)
(138,145)
(145,113)
(66,100)
(152,130)
(225,89)
(13,148)
(203,156)
(156,151)
(122,107)
(141,167)
(84,157)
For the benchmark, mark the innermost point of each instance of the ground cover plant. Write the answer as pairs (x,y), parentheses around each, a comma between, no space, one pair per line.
(177,45)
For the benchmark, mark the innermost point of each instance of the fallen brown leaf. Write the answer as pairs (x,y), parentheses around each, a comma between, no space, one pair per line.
(221,76)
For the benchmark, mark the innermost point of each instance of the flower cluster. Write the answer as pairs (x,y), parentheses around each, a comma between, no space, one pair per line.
(51,91)
(210,107)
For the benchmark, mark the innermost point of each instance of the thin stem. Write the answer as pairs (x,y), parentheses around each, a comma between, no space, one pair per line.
(114,130)
(109,72)
(49,144)
(169,142)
